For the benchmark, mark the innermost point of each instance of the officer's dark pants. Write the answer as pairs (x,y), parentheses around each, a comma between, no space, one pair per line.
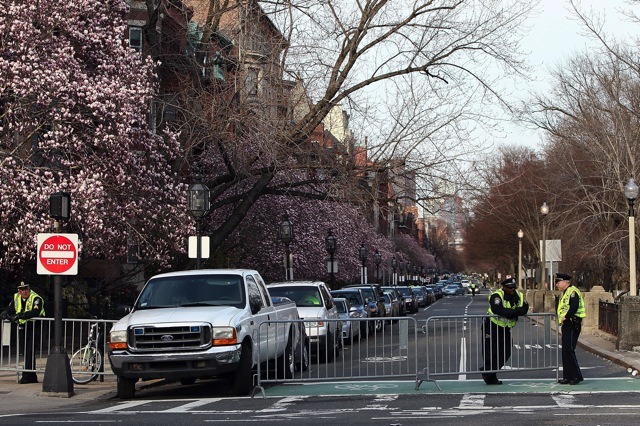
(497,349)
(26,341)
(570,333)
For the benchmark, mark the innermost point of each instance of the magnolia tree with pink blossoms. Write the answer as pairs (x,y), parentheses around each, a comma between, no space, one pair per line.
(74,102)
(257,244)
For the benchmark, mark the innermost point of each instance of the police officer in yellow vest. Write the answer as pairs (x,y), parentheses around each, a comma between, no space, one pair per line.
(26,304)
(505,306)
(570,314)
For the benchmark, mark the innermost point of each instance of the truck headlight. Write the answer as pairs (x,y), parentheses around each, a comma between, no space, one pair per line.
(224,336)
(118,340)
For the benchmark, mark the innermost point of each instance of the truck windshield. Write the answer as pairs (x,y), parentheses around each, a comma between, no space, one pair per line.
(193,290)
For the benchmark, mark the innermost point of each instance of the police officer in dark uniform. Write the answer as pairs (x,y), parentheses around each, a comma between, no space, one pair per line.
(26,304)
(570,311)
(505,306)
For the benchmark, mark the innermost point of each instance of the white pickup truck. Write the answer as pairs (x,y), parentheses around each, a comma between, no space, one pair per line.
(202,323)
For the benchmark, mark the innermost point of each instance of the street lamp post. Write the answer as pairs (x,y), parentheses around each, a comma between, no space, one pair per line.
(331,246)
(401,272)
(199,205)
(394,266)
(631,192)
(57,377)
(377,258)
(544,210)
(285,233)
(520,235)
(363,259)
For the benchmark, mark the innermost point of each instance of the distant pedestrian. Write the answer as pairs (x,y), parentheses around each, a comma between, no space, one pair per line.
(570,314)
(26,304)
(505,306)
(473,288)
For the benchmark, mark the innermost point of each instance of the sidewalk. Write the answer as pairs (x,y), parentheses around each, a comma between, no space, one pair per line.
(18,398)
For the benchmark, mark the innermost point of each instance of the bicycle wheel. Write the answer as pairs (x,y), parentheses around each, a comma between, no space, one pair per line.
(85,364)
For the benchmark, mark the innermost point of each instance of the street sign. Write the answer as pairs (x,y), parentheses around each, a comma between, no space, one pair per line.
(57,254)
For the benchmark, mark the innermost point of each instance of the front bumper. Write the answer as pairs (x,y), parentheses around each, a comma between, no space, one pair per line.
(175,365)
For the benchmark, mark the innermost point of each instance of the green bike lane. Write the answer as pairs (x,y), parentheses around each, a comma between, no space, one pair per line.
(384,387)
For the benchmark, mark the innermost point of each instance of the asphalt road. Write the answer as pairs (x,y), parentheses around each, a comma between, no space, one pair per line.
(609,394)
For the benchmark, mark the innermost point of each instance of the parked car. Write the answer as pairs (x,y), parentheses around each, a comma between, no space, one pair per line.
(401,308)
(350,329)
(421,298)
(373,295)
(314,302)
(437,290)
(410,302)
(453,290)
(391,304)
(356,299)
(431,295)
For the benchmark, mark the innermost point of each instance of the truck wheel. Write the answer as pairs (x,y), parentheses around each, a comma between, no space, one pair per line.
(126,388)
(242,379)
(285,364)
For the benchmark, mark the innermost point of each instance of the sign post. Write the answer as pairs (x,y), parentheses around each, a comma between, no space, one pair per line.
(57,256)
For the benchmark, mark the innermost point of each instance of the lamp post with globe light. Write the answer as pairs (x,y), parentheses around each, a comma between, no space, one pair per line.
(544,211)
(520,235)
(631,192)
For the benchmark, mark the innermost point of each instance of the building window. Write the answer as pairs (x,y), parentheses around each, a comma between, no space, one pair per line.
(135,38)
(252,81)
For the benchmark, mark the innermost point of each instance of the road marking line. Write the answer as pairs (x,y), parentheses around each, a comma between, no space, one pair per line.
(472,402)
(463,357)
(121,406)
(186,407)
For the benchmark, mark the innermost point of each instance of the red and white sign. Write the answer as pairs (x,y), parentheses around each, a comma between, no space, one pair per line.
(57,254)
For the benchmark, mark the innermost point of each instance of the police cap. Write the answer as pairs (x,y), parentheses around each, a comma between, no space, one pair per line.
(509,283)
(562,277)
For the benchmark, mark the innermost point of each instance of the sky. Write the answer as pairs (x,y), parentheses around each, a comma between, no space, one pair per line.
(554,36)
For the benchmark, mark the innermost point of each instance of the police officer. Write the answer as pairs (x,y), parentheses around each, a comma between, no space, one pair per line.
(505,306)
(570,314)
(473,289)
(26,304)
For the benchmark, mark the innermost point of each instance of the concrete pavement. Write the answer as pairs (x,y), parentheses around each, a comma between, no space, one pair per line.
(16,398)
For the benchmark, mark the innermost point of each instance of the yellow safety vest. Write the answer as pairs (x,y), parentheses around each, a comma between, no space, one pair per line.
(563,305)
(17,304)
(502,321)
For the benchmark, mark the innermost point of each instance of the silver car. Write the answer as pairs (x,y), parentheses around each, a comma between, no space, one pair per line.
(350,329)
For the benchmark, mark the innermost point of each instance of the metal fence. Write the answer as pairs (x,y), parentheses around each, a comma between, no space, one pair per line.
(455,346)
(390,354)
(608,317)
(41,337)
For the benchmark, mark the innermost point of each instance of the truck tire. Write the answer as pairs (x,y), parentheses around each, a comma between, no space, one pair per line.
(126,388)
(242,379)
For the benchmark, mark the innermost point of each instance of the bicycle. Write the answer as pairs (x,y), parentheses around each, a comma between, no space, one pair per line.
(86,362)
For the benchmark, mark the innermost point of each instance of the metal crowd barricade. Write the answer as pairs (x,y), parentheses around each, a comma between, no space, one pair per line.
(388,354)
(455,347)
(75,336)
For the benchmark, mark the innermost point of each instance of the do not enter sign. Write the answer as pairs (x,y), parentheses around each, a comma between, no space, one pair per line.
(57,254)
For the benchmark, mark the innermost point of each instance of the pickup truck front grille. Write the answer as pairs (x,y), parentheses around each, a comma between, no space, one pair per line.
(184,337)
